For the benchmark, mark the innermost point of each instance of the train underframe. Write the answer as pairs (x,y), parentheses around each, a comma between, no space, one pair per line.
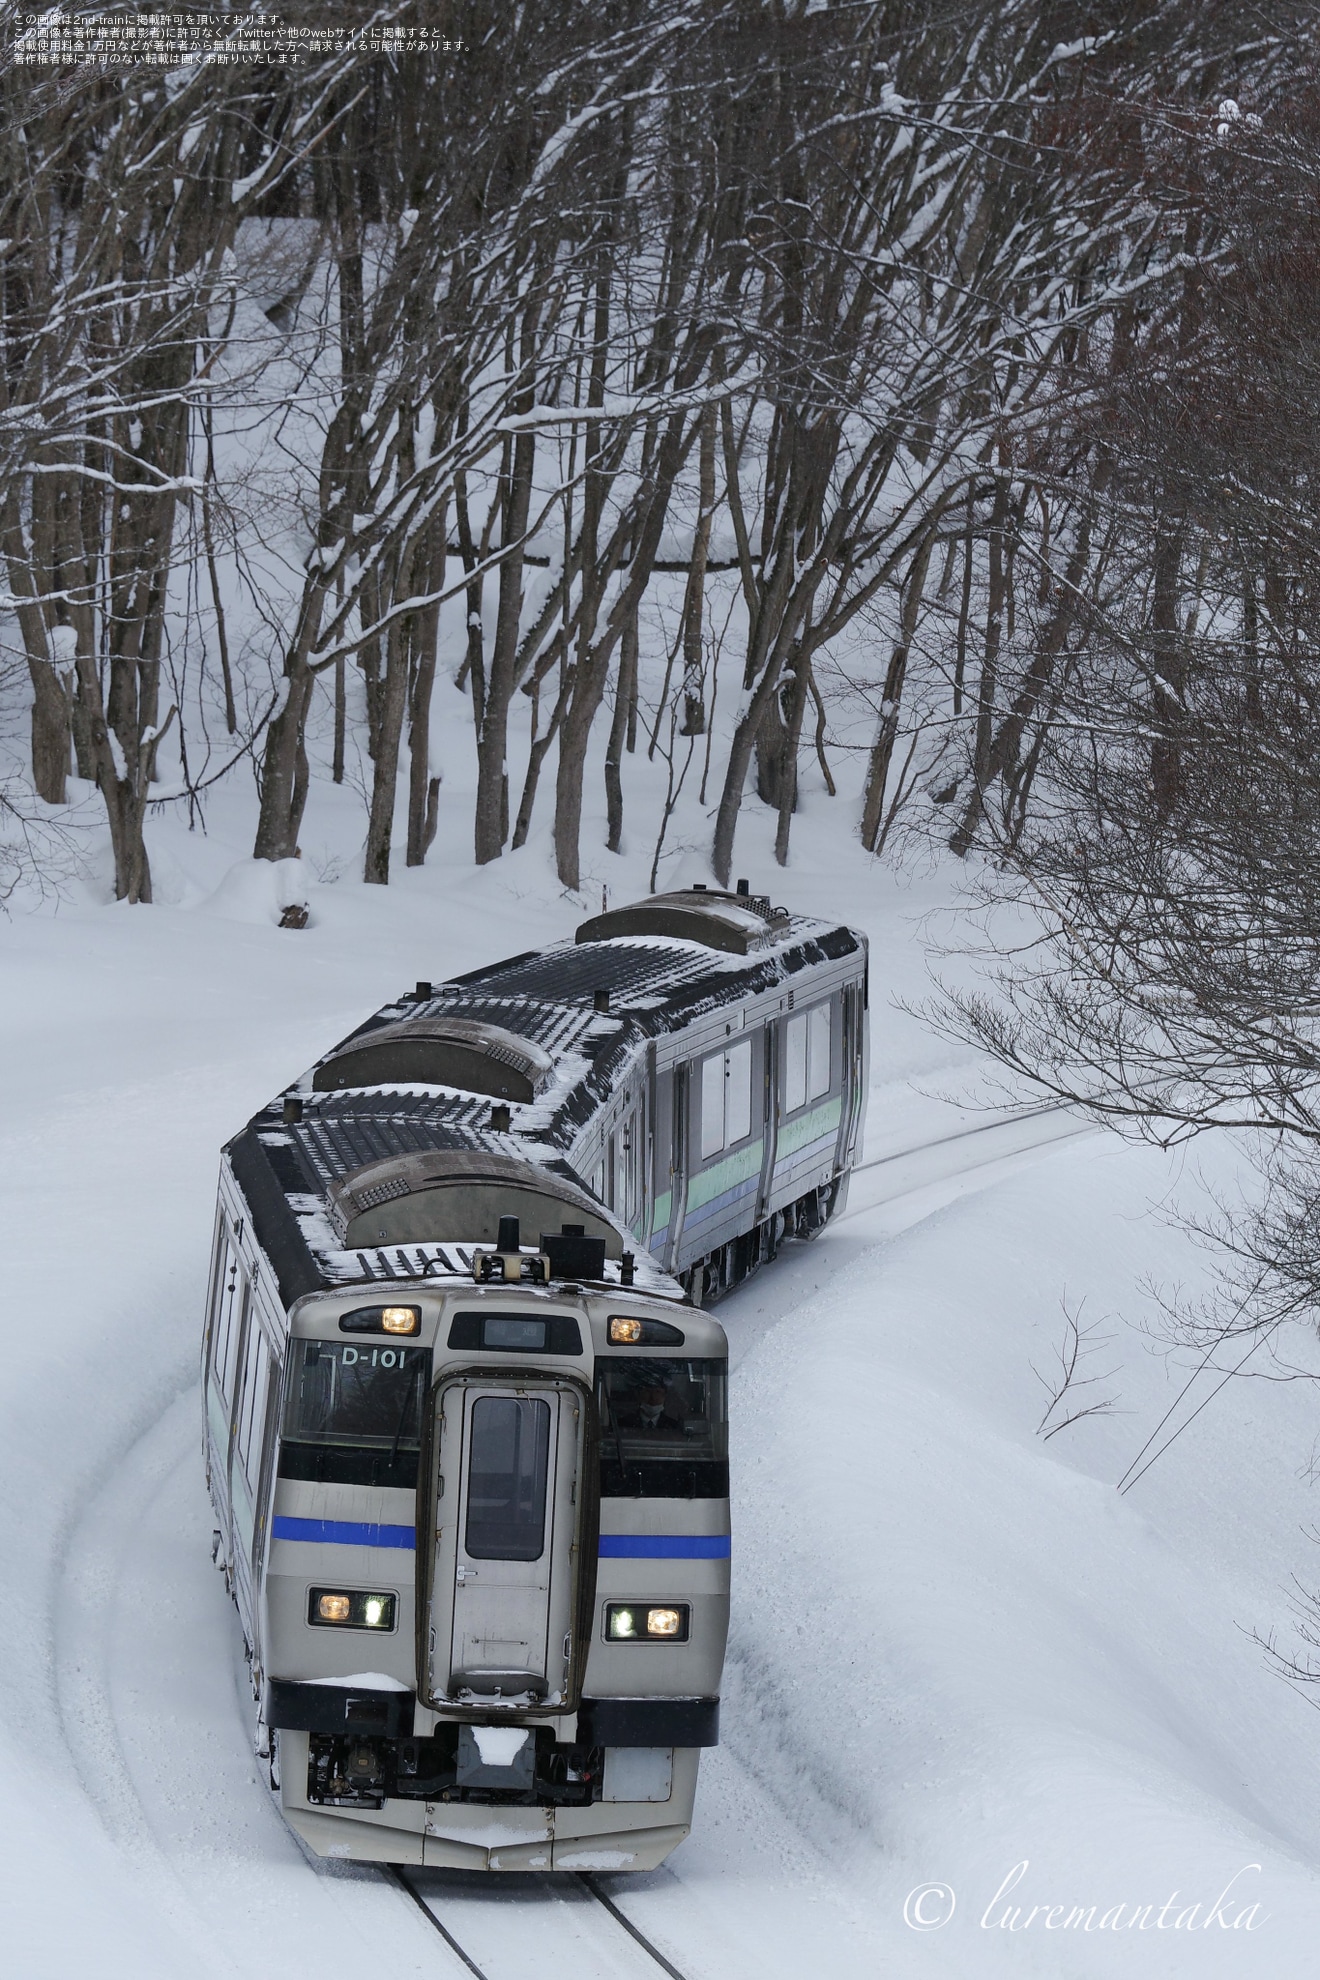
(373,1800)
(709,1278)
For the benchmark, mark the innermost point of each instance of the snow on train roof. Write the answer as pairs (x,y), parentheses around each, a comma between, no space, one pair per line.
(509,1062)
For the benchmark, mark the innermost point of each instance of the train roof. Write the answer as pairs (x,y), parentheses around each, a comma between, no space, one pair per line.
(485,1082)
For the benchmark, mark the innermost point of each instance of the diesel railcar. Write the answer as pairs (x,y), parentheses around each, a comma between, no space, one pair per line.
(466,1423)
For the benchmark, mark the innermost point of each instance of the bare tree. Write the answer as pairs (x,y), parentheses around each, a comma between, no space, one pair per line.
(121,207)
(1169,977)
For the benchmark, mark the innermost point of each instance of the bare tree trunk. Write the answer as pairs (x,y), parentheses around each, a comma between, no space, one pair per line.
(694,599)
(284,760)
(987,687)
(964,608)
(799,688)
(50,733)
(623,732)
(882,750)
(539,751)
(1170,664)
(583,697)
(341,723)
(389,736)
(1006,749)
(423,788)
(590,673)
(491,822)
(217,601)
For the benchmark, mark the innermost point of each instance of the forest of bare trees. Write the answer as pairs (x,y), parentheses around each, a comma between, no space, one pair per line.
(918,394)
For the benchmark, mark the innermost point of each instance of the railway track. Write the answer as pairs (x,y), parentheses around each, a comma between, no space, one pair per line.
(135,1535)
(487,1931)
(947,1158)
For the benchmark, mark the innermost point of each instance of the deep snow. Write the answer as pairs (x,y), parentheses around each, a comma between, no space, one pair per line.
(956,1648)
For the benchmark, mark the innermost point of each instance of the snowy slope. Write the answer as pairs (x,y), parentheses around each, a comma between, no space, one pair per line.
(956,1647)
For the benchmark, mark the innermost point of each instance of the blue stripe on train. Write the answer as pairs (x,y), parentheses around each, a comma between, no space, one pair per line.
(613,1546)
(807,1157)
(343,1532)
(722,1205)
(664,1546)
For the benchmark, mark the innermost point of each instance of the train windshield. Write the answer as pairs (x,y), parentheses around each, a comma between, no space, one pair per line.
(353,1413)
(664,1430)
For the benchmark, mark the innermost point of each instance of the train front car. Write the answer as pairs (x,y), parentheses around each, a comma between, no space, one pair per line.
(496,1595)
(474,1513)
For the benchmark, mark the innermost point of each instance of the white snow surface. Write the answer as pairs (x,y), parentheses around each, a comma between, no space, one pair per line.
(956,1649)
(499,1746)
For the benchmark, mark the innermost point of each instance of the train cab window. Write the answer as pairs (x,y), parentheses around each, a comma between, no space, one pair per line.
(664,1430)
(726,1098)
(806,1057)
(509,1456)
(353,1413)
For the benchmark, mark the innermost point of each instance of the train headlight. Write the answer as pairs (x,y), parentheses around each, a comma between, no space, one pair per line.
(633,1330)
(639,1622)
(381,1320)
(350,1608)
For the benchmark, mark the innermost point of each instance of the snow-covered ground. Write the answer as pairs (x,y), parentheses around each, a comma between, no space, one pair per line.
(957,1649)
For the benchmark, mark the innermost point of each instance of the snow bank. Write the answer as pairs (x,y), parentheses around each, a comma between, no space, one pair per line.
(957,1649)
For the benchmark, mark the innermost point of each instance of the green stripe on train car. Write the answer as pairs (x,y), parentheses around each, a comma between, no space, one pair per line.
(809,1127)
(735,1168)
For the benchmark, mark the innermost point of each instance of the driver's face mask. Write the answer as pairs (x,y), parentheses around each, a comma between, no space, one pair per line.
(650,1413)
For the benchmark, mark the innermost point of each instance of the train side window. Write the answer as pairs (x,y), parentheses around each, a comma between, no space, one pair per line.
(726,1098)
(712,1106)
(738,1093)
(227,1322)
(252,1411)
(795,1064)
(806,1057)
(818,1051)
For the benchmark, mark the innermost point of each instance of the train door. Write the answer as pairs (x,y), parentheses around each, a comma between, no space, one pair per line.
(678,1164)
(507,1513)
(854,1074)
(230,1295)
(626,1143)
(245,1460)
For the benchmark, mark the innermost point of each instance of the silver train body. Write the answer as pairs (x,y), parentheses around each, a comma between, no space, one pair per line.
(466,1423)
